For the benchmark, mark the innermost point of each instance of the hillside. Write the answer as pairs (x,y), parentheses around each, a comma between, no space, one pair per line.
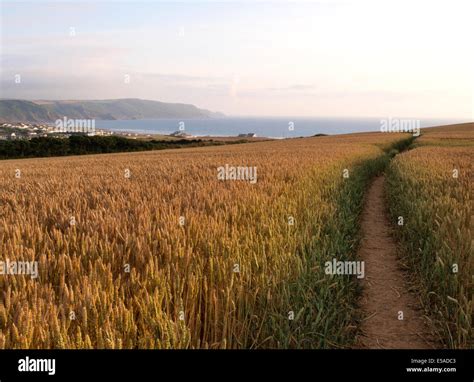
(25,111)
(49,111)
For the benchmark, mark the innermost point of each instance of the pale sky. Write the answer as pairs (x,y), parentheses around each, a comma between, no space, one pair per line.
(381,58)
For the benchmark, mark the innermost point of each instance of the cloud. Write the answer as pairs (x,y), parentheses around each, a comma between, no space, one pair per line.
(181,78)
(298,87)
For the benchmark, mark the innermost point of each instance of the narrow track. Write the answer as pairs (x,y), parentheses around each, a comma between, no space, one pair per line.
(385,294)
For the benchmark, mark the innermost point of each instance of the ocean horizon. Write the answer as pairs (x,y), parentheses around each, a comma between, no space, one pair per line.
(271,127)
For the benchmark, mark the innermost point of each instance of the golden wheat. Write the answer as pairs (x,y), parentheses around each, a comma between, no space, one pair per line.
(431,187)
(151,250)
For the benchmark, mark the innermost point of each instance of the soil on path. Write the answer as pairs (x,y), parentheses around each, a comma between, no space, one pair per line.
(385,289)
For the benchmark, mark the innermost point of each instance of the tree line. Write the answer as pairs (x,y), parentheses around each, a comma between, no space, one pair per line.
(83,144)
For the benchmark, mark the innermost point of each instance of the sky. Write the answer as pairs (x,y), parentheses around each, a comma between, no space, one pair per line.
(361,58)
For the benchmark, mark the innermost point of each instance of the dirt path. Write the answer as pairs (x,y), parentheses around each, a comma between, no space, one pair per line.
(385,292)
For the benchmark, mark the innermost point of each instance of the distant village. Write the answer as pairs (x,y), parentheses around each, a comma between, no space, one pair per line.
(21,130)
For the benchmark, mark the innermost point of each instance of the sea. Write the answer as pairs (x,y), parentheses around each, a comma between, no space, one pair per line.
(271,127)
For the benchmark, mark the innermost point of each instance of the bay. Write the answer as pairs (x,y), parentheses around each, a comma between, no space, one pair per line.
(274,127)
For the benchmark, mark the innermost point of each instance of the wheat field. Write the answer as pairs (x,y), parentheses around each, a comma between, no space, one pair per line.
(152,250)
(431,187)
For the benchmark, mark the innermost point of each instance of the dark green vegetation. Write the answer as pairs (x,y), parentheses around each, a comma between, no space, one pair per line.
(82,144)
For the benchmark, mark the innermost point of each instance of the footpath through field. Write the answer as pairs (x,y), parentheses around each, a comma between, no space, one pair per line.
(391,314)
